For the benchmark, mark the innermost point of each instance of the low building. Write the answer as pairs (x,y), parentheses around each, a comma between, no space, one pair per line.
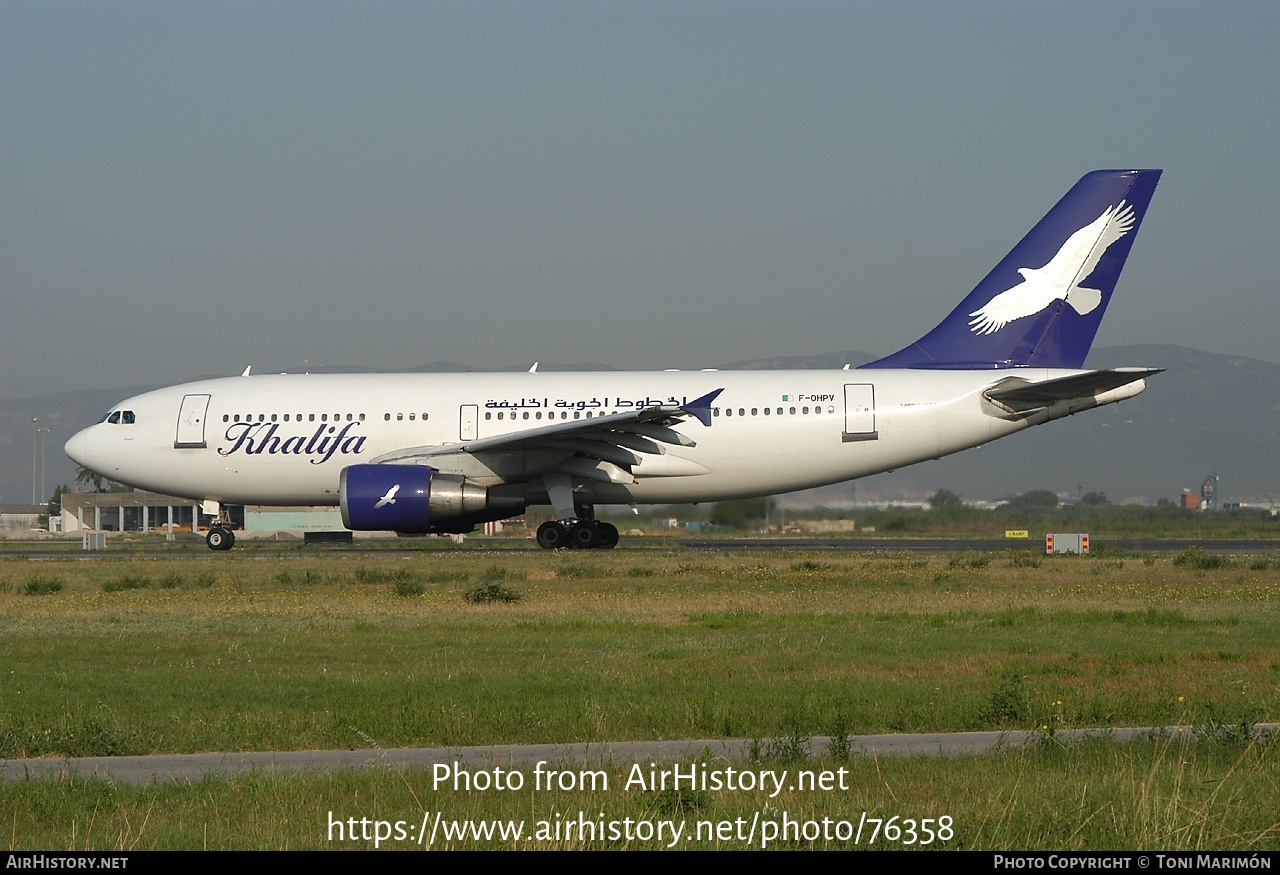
(258,518)
(129,512)
(21,519)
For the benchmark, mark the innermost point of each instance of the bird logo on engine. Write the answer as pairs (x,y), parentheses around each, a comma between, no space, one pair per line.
(389,498)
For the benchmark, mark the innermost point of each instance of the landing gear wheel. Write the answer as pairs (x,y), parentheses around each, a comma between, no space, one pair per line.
(220,538)
(552,535)
(608,536)
(584,535)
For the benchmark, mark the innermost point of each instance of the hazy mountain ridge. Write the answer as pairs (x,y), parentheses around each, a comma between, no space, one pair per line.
(437,367)
(829,360)
(1207,411)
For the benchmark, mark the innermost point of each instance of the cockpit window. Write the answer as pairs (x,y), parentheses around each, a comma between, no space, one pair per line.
(116,417)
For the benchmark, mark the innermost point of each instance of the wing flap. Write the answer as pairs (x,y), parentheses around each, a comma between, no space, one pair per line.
(599,449)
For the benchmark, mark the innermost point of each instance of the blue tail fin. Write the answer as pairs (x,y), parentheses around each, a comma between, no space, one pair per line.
(1042,304)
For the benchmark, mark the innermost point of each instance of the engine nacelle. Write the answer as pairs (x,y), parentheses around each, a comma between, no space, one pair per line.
(406,498)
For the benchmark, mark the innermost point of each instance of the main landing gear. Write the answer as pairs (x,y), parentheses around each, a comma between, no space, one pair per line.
(577,525)
(580,534)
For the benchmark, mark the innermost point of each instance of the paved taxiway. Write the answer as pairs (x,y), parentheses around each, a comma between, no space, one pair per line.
(952,545)
(195,766)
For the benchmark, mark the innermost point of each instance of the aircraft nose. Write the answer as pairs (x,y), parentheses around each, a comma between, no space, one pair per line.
(77,449)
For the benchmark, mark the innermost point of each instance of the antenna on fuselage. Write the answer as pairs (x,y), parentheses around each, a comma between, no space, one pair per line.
(247,370)
(534,369)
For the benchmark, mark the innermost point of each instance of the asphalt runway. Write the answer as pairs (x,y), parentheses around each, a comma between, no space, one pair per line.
(952,545)
(194,767)
(728,545)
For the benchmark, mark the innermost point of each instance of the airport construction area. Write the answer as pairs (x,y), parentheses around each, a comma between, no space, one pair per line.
(799,652)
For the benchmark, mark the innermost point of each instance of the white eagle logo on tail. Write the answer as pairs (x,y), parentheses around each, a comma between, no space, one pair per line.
(1058,279)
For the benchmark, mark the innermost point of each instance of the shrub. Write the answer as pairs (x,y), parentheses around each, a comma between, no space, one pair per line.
(571,572)
(373,575)
(1009,702)
(969,559)
(385,575)
(42,585)
(491,591)
(1196,556)
(1023,559)
(793,747)
(129,581)
(407,587)
(840,740)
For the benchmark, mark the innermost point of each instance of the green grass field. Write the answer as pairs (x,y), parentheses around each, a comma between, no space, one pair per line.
(260,650)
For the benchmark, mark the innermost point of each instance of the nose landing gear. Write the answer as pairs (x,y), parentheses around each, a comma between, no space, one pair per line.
(220,538)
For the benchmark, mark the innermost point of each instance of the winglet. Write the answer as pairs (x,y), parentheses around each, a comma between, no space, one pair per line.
(701,407)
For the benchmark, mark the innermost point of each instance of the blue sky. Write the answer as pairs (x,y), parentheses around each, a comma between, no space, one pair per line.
(189,188)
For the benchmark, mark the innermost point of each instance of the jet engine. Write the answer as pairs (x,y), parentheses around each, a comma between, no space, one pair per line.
(408,498)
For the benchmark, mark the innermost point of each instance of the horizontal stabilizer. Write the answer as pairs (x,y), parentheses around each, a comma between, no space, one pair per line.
(1019,396)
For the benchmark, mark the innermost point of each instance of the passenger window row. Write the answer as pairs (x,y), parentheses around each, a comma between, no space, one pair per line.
(770,411)
(297,417)
(564,414)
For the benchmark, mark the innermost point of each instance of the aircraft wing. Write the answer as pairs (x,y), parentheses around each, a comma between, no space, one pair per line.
(617,440)
(1019,396)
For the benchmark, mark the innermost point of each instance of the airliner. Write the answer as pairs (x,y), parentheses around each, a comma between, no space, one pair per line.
(443,453)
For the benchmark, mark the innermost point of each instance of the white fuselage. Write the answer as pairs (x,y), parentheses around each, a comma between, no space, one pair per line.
(283,439)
